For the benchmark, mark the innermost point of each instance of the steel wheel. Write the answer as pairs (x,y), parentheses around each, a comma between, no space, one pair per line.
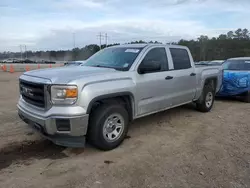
(113,127)
(209,99)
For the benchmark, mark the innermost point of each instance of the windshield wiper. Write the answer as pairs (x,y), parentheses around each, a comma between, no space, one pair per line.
(103,66)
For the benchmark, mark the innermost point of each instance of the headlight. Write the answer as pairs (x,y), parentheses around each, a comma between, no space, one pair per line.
(63,94)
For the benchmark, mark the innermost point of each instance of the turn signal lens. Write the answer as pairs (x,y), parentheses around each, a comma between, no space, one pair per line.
(71,93)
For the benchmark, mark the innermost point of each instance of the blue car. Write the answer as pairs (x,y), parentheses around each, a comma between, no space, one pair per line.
(236,78)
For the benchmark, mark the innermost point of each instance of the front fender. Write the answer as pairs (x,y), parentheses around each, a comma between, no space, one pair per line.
(94,91)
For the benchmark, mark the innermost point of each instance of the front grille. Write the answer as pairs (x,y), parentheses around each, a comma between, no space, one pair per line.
(33,93)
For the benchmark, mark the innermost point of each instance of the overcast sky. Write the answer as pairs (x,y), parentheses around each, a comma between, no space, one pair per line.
(50,24)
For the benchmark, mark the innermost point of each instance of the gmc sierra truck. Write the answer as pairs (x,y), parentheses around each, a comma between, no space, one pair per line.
(97,101)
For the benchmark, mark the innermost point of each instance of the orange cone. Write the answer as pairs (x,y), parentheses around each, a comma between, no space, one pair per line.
(4,68)
(11,69)
(27,68)
(38,66)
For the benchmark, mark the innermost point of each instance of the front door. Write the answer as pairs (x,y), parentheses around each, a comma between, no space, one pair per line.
(153,89)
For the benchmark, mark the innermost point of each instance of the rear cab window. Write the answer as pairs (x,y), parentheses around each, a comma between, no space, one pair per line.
(181,59)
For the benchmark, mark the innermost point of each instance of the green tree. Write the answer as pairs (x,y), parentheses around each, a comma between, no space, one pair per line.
(230,34)
(238,33)
(245,34)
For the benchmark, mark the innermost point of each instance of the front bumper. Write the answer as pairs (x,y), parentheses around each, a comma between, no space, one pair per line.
(47,127)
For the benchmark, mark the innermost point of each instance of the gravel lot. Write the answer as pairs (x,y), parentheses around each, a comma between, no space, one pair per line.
(177,148)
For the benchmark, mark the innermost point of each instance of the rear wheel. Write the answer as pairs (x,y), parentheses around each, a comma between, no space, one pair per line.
(206,100)
(108,126)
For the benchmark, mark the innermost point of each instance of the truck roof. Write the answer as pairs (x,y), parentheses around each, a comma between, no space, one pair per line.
(145,44)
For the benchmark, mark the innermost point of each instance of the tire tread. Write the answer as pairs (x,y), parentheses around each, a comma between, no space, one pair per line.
(96,121)
(201,105)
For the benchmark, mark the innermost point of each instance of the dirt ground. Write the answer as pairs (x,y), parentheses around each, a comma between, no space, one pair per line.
(177,148)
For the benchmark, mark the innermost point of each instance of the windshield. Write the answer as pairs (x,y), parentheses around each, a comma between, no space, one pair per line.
(237,65)
(118,58)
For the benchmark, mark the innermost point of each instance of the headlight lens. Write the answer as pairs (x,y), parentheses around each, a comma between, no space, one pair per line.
(63,94)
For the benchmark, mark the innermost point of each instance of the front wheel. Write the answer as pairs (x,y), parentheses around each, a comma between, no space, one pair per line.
(108,126)
(206,100)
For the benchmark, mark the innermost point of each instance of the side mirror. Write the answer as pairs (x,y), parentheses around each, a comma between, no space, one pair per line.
(149,66)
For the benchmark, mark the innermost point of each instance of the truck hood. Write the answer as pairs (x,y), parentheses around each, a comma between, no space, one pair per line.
(65,75)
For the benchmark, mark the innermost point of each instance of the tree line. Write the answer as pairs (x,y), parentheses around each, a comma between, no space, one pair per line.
(233,44)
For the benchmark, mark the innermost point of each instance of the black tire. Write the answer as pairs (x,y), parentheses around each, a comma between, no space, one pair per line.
(96,123)
(201,103)
(247,97)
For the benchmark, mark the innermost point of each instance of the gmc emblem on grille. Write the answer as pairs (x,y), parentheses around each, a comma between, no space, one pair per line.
(27,91)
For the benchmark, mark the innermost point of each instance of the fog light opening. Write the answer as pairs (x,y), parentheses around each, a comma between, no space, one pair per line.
(63,125)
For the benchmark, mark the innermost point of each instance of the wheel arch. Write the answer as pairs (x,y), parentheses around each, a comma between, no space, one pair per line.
(126,98)
(211,80)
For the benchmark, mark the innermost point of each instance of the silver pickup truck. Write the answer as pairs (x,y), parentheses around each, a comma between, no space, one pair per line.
(96,101)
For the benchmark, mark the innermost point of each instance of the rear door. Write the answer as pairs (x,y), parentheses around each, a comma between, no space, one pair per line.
(184,76)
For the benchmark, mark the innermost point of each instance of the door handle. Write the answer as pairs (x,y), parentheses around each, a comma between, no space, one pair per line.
(192,74)
(169,77)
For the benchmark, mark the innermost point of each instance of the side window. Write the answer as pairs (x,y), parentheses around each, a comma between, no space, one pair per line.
(181,58)
(156,55)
